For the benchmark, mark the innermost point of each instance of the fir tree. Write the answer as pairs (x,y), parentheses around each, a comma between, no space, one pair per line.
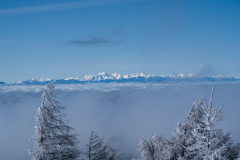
(157,148)
(194,138)
(97,149)
(211,143)
(53,138)
(148,149)
(183,136)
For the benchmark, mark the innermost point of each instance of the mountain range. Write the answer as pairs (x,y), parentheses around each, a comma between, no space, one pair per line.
(138,77)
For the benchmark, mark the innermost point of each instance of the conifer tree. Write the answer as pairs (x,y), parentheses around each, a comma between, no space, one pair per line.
(157,148)
(194,138)
(183,136)
(53,139)
(211,143)
(148,149)
(97,149)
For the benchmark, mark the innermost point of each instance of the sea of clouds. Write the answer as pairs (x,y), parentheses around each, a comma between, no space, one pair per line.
(128,111)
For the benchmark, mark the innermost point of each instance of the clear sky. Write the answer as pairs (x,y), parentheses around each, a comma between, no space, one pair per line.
(64,38)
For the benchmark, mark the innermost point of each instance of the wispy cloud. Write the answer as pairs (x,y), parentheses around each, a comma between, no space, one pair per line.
(91,41)
(104,37)
(208,70)
(51,7)
(23,38)
(62,6)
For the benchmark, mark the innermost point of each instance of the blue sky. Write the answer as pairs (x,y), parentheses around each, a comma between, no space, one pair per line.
(60,39)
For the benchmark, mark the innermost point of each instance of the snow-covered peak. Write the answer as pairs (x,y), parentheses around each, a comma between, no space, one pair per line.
(86,78)
(135,75)
(142,75)
(44,79)
(221,76)
(186,75)
(72,78)
(18,82)
(34,81)
(98,77)
(126,76)
(102,73)
(104,77)
(116,75)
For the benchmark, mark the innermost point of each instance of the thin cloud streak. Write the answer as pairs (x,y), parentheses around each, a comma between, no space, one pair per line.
(63,6)
(50,7)
(92,41)
(24,38)
(104,37)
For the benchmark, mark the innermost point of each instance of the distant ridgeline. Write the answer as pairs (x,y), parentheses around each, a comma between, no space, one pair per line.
(136,78)
(2,83)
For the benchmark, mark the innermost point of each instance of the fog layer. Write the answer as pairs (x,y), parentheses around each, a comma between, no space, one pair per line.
(128,112)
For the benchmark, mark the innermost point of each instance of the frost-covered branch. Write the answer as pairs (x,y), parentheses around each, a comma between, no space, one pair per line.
(53,138)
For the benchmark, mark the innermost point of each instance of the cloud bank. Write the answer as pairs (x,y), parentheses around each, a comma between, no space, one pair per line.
(125,111)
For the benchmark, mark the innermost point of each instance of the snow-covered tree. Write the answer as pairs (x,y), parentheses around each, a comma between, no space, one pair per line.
(157,148)
(176,148)
(148,149)
(183,136)
(194,138)
(211,143)
(53,138)
(97,149)
(93,146)
(166,149)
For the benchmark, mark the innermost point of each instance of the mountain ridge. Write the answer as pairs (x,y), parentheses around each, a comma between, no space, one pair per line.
(103,77)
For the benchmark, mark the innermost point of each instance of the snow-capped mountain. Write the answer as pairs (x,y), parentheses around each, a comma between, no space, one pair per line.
(98,77)
(103,77)
(34,81)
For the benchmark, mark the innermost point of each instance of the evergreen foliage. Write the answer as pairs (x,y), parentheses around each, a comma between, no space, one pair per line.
(194,138)
(53,138)
(97,149)
(212,143)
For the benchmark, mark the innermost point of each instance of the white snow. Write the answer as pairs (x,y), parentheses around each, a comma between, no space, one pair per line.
(101,76)
(44,79)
